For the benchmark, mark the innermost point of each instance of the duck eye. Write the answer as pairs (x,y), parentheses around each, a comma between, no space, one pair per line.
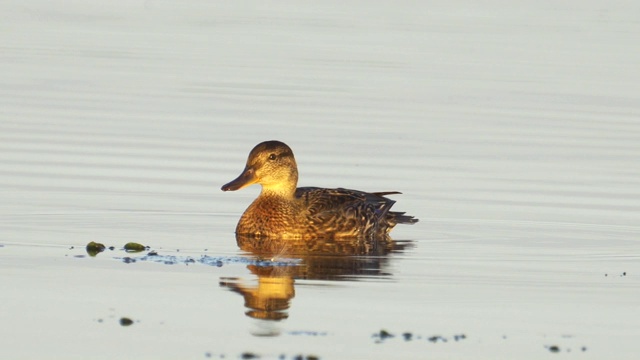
(272,157)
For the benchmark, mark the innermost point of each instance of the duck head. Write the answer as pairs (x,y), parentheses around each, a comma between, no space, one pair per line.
(272,165)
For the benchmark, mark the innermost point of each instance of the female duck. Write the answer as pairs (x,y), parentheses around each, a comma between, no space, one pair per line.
(284,211)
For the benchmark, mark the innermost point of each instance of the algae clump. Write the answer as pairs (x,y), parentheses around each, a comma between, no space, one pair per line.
(94,248)
(134,247)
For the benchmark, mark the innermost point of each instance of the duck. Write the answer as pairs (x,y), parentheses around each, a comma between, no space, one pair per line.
(284,211)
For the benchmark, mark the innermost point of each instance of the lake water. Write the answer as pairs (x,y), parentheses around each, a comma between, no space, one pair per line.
(512,130)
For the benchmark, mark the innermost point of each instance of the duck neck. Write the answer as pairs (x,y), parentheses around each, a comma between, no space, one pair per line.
(284,189)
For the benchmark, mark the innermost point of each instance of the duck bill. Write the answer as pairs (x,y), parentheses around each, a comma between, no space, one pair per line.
(248,177)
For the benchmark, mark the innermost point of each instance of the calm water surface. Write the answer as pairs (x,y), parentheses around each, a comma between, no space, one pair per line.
(512,132)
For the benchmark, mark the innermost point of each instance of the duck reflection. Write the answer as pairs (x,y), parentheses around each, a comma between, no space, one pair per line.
(269,298)
(321,259)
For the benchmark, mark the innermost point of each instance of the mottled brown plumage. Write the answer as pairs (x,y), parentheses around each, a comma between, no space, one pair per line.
(284,211)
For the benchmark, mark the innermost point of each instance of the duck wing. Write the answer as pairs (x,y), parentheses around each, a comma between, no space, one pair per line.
(345,212)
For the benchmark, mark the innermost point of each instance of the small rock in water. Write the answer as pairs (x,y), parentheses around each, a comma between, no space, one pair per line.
(125,321)
(407,336)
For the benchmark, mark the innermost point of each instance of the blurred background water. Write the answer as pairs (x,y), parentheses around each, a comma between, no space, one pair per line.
(511,129)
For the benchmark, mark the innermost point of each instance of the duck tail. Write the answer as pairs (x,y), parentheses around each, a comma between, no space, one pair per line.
(401,218)
(384,193)
(394,217)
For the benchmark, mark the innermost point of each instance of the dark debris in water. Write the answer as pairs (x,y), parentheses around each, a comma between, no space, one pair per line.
(557,348)
(384,335)
(303,357)
(459,337)
(437,338)
(307,333)
(94,248)
(624,273)
(554,348)
(249,355)
(216,261)
(125,321)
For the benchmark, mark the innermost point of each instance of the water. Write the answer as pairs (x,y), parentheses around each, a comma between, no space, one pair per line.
(512,132)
